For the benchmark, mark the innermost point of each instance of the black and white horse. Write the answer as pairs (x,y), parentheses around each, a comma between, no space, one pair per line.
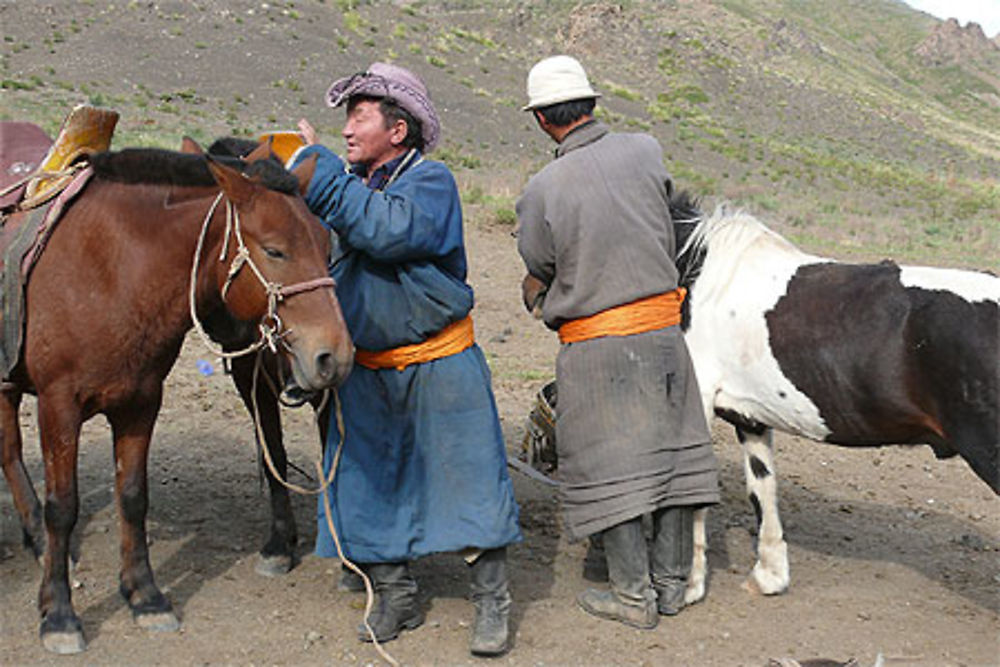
(859,355)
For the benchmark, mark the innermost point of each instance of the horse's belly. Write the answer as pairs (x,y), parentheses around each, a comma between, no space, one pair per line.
(775,402)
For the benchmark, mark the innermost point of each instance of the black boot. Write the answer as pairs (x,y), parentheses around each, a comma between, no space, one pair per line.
(631,599)
(396,607)
(491,598)
(595,563)
(350,581)
(670,556)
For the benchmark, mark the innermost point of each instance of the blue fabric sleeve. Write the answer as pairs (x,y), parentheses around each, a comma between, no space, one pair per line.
(412,220)
(329,166)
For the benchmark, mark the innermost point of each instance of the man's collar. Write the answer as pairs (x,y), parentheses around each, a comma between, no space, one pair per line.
(361,169)
(382,175)
(581,135)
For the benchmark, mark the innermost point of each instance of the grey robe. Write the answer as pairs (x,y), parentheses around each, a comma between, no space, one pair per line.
(594,225)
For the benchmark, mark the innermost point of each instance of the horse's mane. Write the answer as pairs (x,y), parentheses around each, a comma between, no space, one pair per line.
(730,232)
(733,228)
(159,166)
(686,215)
(716,244)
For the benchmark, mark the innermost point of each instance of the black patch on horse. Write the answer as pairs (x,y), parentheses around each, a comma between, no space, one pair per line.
(920,363)
(742,423)
(159,166)
(760,470)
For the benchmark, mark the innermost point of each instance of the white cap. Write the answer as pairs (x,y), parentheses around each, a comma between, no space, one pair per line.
(557,79)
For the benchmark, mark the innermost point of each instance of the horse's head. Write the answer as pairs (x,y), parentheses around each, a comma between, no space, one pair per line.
(274,269)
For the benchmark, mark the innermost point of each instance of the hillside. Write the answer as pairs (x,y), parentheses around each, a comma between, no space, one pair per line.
(858,128)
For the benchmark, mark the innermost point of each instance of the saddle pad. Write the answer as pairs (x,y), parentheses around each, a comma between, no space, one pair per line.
(22,238)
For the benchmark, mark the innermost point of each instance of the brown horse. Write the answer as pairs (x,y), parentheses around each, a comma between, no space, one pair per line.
(150,241)
(260,380)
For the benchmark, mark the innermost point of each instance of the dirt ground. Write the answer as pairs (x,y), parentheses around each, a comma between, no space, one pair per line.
(892,553)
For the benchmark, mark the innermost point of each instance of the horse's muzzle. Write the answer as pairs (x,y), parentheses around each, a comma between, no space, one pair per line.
(324,368)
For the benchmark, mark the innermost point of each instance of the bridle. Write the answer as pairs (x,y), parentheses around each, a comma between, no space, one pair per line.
(270,327)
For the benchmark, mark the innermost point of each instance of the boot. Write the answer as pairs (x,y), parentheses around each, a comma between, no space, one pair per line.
(595,564)
(670,556)
(631,599)
(491,598)
(396,607)
(350,582)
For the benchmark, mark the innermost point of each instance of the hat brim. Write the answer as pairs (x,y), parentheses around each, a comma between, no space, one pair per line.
(556,99)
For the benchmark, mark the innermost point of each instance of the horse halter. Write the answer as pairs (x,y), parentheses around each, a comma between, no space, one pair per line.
(270,326)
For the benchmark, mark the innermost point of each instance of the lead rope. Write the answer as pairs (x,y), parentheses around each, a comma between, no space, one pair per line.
(325,481)
(268,337)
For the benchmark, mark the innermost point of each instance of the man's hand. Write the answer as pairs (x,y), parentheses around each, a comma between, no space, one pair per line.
(533,293)
(308,132)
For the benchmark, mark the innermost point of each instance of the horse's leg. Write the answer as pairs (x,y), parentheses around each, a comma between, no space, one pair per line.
(59,424)
(770,572)
(277,556)
(699,565)
(25,499)
(699,562)
(132,430)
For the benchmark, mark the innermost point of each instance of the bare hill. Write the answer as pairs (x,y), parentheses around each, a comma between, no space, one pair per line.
(864,126)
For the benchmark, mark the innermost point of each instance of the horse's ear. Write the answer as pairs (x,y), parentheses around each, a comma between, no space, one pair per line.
(304,172)
(262,152)
(237,187)
(189,145)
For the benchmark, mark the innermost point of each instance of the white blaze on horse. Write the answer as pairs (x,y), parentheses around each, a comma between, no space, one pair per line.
(859,355)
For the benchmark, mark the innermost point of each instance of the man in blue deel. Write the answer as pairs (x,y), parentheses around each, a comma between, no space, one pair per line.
(423,467)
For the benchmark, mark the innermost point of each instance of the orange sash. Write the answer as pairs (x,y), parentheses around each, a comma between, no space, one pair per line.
(454,338)
(647,314)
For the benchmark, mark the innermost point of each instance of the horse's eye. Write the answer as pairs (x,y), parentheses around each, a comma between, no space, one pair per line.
(273,253)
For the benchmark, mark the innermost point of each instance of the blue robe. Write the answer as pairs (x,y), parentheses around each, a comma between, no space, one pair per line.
(423,468)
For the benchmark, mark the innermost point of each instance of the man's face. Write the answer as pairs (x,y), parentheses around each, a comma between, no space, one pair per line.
(369,142)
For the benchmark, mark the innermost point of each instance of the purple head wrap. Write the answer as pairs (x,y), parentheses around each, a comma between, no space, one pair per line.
(398,84)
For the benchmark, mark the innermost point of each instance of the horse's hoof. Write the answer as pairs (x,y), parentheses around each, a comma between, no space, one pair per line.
(161,621)
(761,582)
(694,594)
(751,586)
(64,643)
(273,566)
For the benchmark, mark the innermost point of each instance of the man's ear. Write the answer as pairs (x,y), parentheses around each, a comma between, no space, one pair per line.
(542,122)
(399,130)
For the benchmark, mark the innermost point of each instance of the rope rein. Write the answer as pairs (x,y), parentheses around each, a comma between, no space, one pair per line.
(271,333)
(326,480)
